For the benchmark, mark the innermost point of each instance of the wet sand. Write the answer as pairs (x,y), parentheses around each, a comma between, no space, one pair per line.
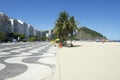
(89,61)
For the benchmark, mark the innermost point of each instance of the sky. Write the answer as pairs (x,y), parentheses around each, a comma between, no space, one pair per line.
(102,16)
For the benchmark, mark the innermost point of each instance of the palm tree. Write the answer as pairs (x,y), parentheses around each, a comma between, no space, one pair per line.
(60,26)
(72,28)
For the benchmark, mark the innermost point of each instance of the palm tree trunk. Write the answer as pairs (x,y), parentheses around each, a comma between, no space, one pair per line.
(71,43)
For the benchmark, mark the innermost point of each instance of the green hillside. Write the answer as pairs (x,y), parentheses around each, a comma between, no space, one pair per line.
(85,33)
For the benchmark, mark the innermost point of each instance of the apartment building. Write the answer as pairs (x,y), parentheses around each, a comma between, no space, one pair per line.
(35,32)
(26,30)
(31,30)
(20,27)
(15,26)
(12,25)
(5,23)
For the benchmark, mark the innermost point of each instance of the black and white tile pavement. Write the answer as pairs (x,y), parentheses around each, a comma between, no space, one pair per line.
(27,61)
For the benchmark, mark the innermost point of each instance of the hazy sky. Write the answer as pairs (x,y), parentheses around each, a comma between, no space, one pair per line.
(100,15)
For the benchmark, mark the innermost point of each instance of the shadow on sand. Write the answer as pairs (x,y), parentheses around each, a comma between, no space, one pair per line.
(72,46)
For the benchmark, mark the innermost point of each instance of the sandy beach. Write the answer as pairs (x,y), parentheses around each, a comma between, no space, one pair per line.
(89,61)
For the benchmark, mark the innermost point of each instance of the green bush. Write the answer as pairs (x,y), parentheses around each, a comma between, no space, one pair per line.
(32,38)
(2,36)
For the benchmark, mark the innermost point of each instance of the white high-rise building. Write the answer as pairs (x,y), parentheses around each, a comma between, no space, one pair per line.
(35,32)
(31,30)
(12,25)
(26,30)
(21,27)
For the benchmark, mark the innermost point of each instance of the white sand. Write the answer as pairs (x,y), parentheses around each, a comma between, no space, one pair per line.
(90,61)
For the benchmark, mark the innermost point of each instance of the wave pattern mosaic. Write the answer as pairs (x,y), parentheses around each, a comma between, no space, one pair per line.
(19,61)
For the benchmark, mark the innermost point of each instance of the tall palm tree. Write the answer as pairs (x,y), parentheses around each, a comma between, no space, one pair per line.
(60,26)
(72,28)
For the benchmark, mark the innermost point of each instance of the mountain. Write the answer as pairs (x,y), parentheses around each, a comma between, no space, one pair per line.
(85,33)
